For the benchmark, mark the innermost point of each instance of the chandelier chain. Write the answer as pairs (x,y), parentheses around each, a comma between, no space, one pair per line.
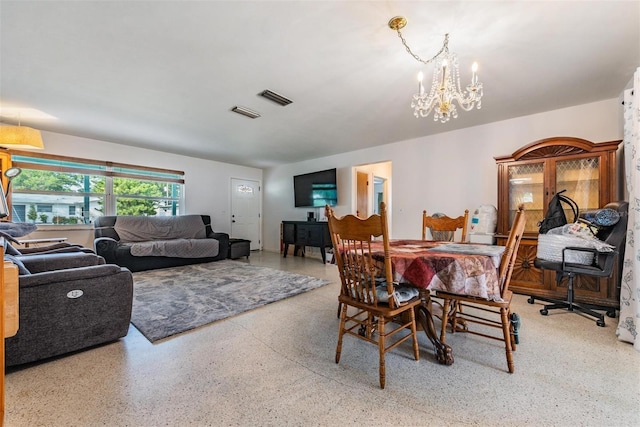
(445,48)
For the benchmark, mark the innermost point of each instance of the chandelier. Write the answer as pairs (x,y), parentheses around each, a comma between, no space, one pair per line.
(445,86)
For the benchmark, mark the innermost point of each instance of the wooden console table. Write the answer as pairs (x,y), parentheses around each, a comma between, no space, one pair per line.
(306,233)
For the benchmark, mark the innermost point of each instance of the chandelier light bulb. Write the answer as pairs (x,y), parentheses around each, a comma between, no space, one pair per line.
(420,87)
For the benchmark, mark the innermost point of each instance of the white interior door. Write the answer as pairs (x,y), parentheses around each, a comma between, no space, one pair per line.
(246,211)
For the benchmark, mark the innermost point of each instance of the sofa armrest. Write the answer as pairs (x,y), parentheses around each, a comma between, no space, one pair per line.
(106,247)
(223,238)
(59,261)
(68,275)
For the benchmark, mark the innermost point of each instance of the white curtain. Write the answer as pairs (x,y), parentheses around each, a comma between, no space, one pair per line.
(629,323)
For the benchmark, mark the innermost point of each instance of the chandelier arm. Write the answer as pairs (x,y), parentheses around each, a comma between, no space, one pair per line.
(445,48)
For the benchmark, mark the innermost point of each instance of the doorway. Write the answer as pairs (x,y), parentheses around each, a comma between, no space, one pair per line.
(371,184)
(362,191)
(246,211)
(379,192)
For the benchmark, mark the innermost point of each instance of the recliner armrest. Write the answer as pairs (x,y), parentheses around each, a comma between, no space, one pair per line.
(59,261)
(72,248)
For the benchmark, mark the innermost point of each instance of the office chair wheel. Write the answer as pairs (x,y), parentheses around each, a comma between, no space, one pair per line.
(611,313)
(600,323)
(544,311)
(531,300)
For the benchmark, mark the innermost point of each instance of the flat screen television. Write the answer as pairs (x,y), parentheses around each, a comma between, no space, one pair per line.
(315,189)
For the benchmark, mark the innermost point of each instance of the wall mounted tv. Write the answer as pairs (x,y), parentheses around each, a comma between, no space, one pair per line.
(315,189)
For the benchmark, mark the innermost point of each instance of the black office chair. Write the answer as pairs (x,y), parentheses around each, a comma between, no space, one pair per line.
(601,267)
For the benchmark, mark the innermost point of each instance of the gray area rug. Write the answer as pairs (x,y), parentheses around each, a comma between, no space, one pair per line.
(174,300)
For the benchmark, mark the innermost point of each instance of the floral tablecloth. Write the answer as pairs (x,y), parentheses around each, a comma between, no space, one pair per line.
(429,264)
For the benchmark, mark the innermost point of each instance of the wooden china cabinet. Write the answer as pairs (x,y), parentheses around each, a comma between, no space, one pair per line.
(532,175)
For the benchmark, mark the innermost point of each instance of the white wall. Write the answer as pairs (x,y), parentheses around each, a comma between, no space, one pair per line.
(448,172)
(207,183)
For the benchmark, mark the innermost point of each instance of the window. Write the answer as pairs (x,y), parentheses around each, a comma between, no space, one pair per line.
(18,213)
(64,190)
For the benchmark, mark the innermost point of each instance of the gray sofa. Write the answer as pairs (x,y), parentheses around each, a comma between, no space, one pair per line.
(145,242)
(68,302)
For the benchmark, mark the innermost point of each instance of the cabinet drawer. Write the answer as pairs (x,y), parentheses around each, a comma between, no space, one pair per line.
(310,234)
(288,233)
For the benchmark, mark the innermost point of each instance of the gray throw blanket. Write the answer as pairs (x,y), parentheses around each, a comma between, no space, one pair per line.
(147,228)
(181,236)
(177,248)
(17,229)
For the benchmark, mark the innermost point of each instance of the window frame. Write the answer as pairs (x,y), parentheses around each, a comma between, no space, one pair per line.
(109,170)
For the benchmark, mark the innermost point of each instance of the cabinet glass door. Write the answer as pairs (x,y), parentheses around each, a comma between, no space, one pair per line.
(526,186)
(580,177)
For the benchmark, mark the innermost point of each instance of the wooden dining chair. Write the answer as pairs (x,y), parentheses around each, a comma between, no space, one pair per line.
(456,308)
(443,228)
(373,298)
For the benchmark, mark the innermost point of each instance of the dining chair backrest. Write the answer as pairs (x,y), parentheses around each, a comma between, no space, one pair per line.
(443,228)
(352,238)
(511,250)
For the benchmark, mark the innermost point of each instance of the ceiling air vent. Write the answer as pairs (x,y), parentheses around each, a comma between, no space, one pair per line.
(272,96)
(245,112)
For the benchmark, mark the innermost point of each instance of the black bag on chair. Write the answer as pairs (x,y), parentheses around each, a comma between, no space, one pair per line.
(555,216)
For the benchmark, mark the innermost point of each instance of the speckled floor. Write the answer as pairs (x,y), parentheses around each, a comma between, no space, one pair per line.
(275,366)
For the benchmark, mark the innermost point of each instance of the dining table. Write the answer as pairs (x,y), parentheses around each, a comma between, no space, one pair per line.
(459,268)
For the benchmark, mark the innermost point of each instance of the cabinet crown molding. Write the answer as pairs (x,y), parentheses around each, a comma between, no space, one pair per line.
(556,147)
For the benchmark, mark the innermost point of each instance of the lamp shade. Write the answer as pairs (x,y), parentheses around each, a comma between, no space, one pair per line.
(20,137)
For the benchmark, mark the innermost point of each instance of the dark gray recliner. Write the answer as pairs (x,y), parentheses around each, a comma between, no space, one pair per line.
(68,302)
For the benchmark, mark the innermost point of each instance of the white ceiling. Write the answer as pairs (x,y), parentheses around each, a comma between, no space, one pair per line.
(164,74)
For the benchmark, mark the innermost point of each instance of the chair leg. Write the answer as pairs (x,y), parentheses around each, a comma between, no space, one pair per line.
(455,306)
(506,330)
(445,318)
(343,321)
(414,335)
(381,349)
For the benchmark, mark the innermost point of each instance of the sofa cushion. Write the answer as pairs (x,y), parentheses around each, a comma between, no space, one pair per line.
(145,228)
(178,248)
